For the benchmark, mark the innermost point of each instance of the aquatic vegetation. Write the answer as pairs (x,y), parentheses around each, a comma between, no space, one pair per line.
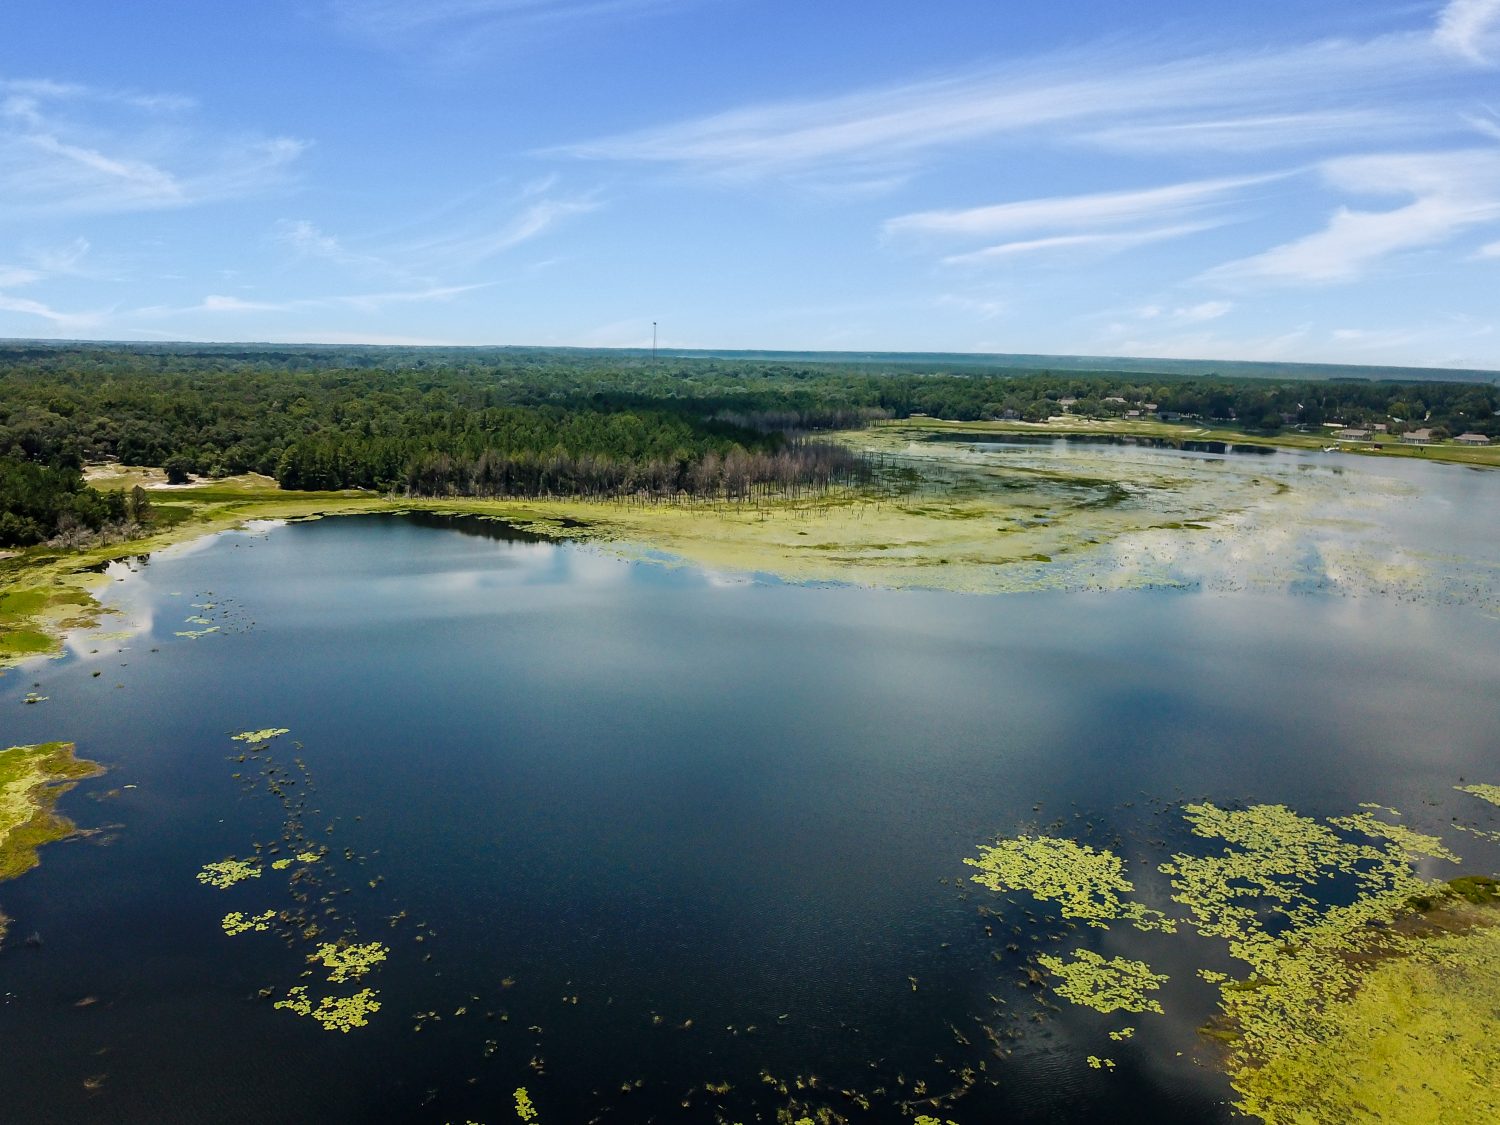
(350,962)
(1100,1064)
(524,1109)
(256,737)
(1114,985)
(1411,842)
(1490,793)
(335,1013)
(1350,997)
(235,923)
(193,634)
(1088,885)
(225,873)
(309,857)
(280,864)
(32,778)
(1414,1043)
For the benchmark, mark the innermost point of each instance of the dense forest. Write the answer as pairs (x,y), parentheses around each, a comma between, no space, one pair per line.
(498,422)
(44,502)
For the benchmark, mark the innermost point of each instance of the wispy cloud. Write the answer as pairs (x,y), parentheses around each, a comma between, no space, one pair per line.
(65,320)
(1468,28)
(463,30)
(985,308)
(1266,132)
(363,302)
(12,277)
(477,243)
(1450,192)
(1492,250)
(1090,210)
(72,149)
(1097,243)
(1186,314)
(306,240)
(1085,92)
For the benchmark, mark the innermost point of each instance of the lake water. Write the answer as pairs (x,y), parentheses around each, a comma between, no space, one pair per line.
(658,829)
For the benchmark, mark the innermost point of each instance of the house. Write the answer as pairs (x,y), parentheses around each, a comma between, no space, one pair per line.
(1068,402)
(1417,437)
(1352,435)
(1169,415)
(1472,439)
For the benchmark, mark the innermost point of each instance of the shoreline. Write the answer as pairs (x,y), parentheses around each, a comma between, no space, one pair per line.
(943,518)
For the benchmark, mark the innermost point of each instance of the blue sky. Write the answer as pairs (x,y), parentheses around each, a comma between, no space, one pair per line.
(1297,181)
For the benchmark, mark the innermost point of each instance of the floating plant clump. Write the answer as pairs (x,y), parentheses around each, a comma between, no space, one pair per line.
(1115,985)
(335,1013)
(225,873)
(235,923)
(349,962)
(1088,884)
(256,737)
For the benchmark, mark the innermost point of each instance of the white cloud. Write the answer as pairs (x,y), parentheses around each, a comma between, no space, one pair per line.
(1467,28)
(66,148)
(1092,210)
(1490,251)
(1450,192)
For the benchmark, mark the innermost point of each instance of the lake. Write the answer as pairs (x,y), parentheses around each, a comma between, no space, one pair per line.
(633,833)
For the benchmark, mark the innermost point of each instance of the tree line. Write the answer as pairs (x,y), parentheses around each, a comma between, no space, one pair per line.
(519,422)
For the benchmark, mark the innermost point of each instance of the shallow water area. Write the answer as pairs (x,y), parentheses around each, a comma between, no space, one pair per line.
(621,823)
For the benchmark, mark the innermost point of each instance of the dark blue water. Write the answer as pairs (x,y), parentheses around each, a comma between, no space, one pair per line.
(656,828)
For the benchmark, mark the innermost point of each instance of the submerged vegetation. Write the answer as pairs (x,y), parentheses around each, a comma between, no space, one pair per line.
(1364,989)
